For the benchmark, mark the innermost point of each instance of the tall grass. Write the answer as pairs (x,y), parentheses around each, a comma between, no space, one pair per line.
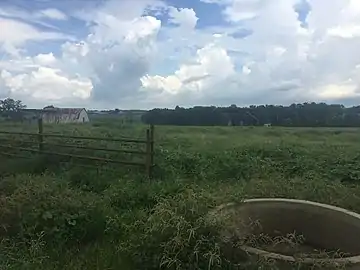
(60,216)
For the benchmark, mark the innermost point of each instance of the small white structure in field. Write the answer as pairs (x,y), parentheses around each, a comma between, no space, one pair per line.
(267,125)
(64,115)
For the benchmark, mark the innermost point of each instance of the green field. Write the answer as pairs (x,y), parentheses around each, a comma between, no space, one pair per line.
(63,216)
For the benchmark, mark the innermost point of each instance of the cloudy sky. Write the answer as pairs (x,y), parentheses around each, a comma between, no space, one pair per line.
(163,53)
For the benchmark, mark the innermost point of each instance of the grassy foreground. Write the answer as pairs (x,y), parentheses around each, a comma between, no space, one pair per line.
(56,216)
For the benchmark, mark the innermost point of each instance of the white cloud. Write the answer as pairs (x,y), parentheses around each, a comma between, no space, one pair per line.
(52,13)
(246,70)
(14,34)
(171,84)
(142,28)
(45,59)
(26,15)
(131,58)
(337,91)
(42,80)
(184,17)
(119,54)
(277,42)
(47,84)
(346,31)
(110,61)
(284,55)
(204,73)
(242,10)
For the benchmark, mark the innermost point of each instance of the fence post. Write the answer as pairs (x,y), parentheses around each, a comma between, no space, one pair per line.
(40,136)
(148,153)
(152,144)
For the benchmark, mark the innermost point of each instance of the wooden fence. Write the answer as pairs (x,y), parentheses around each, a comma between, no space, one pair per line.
(148,141)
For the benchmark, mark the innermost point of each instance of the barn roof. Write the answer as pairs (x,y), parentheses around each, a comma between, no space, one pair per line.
(64,111)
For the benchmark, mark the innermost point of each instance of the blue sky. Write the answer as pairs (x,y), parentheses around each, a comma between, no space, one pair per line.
(303,8)
(163,53)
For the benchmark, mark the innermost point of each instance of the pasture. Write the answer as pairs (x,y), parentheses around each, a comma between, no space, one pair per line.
(56,214)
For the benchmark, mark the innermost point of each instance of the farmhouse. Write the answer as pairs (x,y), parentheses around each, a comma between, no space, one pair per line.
(64,115)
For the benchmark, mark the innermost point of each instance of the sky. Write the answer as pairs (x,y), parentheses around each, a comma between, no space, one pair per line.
(141,54)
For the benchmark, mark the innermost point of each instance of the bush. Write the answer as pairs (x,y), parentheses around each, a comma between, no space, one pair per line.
(90,178)
(31,165)
(33,205)
(178,235)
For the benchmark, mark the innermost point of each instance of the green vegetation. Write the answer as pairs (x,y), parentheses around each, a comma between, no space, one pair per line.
(56,215)
(296,115)
(10,109)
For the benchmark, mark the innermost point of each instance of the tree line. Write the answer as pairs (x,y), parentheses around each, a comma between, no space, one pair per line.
(296,115)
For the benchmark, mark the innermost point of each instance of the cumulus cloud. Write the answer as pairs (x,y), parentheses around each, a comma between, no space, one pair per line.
(110,61)
(271,58)
(45,59)
(120,56)
(314,60)
(147,53)
(185,17)
(195,77)
(40,80)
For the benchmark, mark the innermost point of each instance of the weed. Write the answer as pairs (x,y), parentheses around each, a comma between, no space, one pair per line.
(56,215)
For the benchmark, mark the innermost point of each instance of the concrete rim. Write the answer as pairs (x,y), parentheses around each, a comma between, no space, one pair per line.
(280,257)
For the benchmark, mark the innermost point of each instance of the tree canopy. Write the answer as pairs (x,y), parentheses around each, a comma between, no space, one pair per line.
(11,105)
(298,115)
(11,109)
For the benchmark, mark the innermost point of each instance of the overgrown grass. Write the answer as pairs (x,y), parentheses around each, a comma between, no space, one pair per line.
(56,215)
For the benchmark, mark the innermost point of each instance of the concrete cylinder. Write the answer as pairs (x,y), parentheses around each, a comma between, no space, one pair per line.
(322,226)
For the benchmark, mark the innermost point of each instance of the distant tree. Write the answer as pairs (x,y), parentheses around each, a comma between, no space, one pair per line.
(117,110)
(11,105)
(12,109)
(49,107)
(298,115)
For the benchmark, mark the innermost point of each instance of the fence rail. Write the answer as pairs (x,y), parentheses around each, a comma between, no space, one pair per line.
(148,163)
(74,137)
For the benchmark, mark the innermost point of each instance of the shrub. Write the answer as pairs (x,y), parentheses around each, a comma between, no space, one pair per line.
(33,205)
(177,235)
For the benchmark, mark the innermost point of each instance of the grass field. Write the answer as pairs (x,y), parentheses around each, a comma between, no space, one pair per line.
(58,216)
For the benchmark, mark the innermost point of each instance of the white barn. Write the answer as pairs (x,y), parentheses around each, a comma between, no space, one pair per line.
(64,115)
